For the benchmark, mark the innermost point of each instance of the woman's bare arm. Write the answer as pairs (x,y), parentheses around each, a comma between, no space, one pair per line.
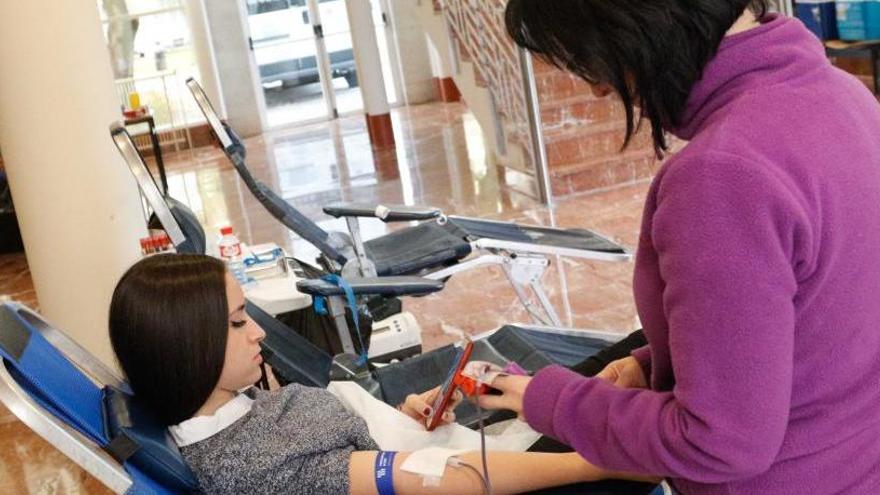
(509,472)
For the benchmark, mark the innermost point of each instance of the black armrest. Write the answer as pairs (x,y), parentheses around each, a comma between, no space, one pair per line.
(384,286)
(389,213)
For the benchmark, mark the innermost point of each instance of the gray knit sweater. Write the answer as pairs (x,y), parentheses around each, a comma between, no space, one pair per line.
(295,440)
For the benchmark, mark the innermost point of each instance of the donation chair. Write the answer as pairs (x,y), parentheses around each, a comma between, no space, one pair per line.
(83,409)
(437,248)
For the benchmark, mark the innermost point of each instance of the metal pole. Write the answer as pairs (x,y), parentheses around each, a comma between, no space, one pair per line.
(325,74)
(533,108)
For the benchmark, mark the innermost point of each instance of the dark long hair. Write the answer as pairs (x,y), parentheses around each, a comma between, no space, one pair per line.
(651,52)
(168,328)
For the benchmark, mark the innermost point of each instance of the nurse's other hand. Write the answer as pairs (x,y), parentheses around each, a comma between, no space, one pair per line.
(625,373)
(512,388)
(418,406)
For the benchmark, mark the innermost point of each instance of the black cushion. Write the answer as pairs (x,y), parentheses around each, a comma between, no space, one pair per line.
(136,437)
(411,250)
(193,233)
(475,228)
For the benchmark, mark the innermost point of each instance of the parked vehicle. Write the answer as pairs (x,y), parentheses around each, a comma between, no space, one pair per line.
(282,37)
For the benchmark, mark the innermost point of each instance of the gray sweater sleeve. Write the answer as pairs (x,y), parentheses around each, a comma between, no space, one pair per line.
(296,440)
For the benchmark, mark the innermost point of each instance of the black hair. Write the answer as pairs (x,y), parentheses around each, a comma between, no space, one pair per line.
(651,52)
(168,327)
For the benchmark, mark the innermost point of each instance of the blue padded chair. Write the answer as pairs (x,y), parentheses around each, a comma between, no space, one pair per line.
(84,409)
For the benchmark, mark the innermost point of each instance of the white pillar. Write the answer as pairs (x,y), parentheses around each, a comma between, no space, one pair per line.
(228,23)
(412,48)
(203,46)
(439,59)
(369,68)
(77,204)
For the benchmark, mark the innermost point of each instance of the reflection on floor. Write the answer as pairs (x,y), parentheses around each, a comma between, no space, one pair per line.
(287,105)
(440,161)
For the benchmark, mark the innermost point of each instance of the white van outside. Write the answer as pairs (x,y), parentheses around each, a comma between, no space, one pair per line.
(283,41)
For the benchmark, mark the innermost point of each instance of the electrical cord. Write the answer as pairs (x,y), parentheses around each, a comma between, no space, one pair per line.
(458,463)
(487,484)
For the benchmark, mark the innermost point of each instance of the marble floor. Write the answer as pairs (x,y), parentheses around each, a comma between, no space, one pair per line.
(439,160)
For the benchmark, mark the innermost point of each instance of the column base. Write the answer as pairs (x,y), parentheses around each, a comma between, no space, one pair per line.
(446,90)
(381,131)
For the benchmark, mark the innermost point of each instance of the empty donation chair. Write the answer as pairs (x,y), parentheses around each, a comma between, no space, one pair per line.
(436,248)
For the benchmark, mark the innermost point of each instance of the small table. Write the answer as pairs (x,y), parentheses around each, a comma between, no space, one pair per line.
(858,49)
(154,139)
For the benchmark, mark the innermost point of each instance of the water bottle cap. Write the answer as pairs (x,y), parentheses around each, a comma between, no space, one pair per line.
(226,231)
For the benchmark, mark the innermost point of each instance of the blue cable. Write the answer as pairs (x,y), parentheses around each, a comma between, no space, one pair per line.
(321,309)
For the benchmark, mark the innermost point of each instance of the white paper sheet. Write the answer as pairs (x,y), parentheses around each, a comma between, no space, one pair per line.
(395,431)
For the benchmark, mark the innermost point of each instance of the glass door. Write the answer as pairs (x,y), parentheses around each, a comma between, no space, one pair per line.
(337,40)
(286,48)
(303,49)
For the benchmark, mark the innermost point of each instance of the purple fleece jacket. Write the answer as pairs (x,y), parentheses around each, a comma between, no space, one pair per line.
(758,283)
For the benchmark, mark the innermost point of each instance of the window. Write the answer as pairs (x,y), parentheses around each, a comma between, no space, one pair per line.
(152,53)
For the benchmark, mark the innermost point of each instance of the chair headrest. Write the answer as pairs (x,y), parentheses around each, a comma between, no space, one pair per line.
(14,336)
(136,437)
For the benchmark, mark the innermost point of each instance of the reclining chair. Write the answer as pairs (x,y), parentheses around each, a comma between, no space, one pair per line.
(84,410)
(437,248)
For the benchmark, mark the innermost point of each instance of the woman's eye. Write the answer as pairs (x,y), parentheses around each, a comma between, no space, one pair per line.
(239,324)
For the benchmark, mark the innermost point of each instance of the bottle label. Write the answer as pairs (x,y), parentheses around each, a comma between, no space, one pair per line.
(230,251)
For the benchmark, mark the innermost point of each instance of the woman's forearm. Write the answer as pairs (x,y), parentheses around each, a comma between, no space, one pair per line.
(509,472)
(516,472)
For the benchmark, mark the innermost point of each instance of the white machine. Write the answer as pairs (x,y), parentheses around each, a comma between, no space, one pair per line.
(395,338)
(274,291)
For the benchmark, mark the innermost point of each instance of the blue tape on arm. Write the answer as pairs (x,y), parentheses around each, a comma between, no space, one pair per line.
(385,473)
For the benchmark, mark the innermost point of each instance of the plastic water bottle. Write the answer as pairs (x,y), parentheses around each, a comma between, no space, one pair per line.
(230,252)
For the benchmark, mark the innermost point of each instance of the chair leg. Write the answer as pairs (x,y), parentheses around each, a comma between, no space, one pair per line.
(366,267)
(526,270)
(337,309)
(538,289)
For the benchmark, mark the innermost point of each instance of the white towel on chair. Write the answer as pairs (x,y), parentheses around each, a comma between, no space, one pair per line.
(395,431)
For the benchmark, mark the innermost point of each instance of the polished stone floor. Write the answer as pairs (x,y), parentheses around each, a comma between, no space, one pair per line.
(439,160)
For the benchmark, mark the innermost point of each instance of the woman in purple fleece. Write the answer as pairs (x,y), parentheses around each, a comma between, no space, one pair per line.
(758,270)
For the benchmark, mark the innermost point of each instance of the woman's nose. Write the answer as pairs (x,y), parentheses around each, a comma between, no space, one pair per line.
(257,333)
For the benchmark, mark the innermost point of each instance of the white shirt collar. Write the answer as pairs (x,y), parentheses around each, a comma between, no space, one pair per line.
(203,427)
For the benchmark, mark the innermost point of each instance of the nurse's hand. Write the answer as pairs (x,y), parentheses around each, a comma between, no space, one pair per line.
(625,373)
(512,388)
